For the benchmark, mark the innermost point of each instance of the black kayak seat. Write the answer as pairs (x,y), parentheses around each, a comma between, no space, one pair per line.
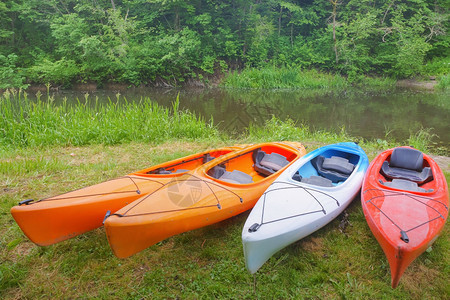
(236,176)
(297,176)
(338,164)
(405,185)
(335,168)
(406,163)
(267,164)
(318,180)
(163,172)
(216,171)
(207,157)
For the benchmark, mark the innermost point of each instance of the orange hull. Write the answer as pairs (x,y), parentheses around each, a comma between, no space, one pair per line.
(61,217)
(195,200)
(405,223)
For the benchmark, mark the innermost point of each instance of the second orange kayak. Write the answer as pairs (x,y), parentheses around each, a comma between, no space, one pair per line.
(218,190)
(61,217)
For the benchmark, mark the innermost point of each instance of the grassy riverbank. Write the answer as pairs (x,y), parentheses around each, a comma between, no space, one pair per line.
(26,123)
(296,78)
(39,158)
(342,260)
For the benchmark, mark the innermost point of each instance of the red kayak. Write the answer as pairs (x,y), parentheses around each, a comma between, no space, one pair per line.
(405,201)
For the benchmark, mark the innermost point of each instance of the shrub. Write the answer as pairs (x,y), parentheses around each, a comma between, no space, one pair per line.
(10,75)
(62,72)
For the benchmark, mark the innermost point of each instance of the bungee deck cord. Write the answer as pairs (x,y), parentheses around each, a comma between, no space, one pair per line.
(256,226)
(58,197)
(403,233)
(176,181)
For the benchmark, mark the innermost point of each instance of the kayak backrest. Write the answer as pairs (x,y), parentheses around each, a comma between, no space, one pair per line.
(406,163)
(338,164)
(207,158)
(407,158)
(216,171)
(267,164)
(335,169)
(163,171)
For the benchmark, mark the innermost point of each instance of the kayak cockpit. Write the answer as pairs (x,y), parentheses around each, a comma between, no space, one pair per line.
(406,169)
(183,165)
(328,169)
(252,166)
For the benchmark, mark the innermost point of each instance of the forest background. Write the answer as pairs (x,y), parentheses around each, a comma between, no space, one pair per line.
(171,42)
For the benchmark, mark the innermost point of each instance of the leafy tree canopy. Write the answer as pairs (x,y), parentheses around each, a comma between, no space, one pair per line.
(141,41)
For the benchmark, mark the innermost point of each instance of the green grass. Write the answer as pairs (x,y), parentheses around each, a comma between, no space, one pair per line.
(38,159)
(444,82)
(204,263)
(288,78)
(26,123)
(282,78)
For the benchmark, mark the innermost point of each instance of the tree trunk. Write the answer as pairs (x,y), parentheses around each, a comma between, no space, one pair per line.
(333,15)
(279,21)
(292,29)
(13,30)
(177,20)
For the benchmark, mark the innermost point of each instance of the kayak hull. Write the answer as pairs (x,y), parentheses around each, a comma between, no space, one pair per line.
(55,219)
(405,223)
(290,210)
(192,201)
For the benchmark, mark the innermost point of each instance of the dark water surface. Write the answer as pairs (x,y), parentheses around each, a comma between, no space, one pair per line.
(393,114)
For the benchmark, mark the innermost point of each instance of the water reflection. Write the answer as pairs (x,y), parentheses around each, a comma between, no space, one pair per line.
(367,114)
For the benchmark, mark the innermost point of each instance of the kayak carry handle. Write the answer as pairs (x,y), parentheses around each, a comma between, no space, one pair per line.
(404,237)
(254,227)
(26,202)
(108,213)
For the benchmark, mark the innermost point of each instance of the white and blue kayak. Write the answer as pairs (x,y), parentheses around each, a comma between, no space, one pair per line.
(305,197)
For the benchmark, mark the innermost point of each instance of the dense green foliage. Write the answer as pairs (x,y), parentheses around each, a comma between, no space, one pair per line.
(168,42)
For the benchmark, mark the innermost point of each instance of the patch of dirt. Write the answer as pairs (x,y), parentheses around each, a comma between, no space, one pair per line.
(14,294)
(417,275)
(423,85)
(22,250)
(442,161)
(84,87)
(313,244)
(116,86)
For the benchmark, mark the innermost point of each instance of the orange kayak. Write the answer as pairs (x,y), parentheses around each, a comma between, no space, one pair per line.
(405,201)
(61,217)
(218,190)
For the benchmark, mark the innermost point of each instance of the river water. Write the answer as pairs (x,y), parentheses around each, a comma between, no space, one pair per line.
(374,114)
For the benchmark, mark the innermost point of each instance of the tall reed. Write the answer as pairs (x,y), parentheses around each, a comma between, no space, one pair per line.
(280,78)
(295,78)
(26,123)
(278,130)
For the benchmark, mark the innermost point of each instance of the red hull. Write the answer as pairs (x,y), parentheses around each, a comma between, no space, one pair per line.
(405,223)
